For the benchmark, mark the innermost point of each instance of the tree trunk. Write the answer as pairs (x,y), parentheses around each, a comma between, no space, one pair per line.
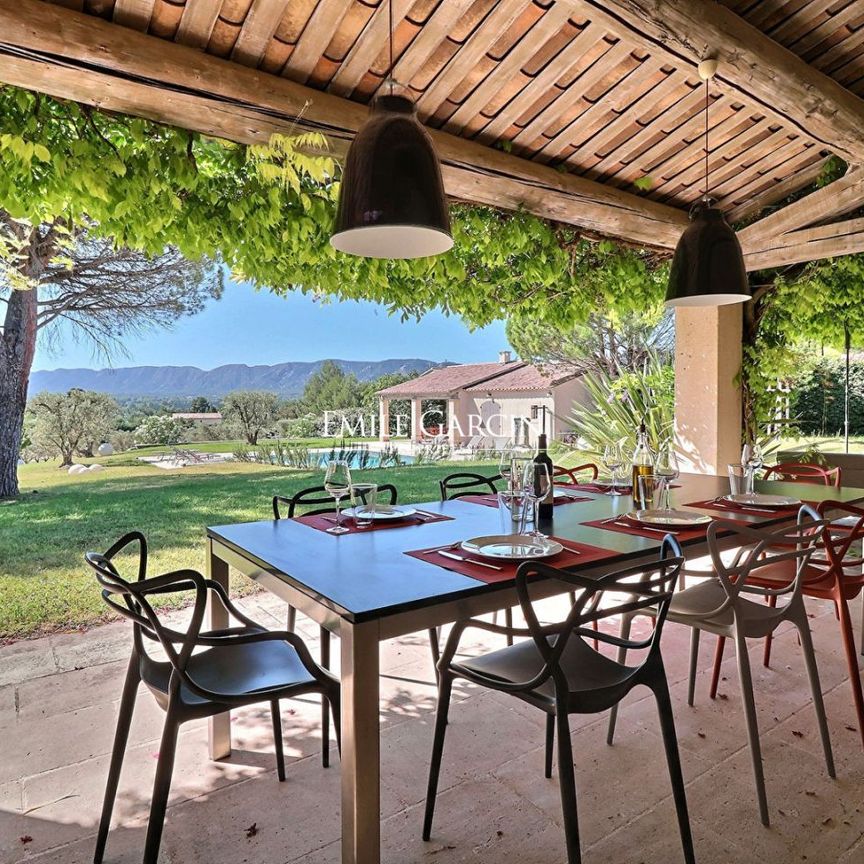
(17,347)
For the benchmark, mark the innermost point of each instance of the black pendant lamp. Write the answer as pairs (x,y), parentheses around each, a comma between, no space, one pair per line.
(708,267)
(392,202)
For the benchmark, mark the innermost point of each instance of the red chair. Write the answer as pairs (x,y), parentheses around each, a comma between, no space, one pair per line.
(804,472)
(837,577)
(571,473)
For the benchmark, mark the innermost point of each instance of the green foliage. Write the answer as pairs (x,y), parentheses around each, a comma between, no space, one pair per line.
(254,411)
(159,429)
(66,423)
(201,405)
(267,211)
(818,395)
(619,403)
(330,389)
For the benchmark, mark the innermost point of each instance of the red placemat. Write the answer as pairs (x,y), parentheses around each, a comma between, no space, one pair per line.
(492,500)
(323,521)
(567,558)
(624,526)
(731,511)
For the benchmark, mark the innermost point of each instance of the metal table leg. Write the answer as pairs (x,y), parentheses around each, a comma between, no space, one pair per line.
(361,810)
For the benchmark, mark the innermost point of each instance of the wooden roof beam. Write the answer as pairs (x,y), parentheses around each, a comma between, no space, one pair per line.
(835,199)
(751,64)
(79,57)
(811,244)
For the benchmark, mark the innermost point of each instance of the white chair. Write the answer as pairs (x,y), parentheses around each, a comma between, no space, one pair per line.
(726,604)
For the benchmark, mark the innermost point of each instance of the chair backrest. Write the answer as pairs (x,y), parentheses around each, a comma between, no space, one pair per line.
(130,599)
(645,586)
(759,549)
(466,483)
(804,472)
(318,495)
(840,538)
(573,473)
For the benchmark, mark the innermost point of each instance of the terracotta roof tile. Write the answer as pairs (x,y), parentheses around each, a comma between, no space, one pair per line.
(526,377)
(438,382)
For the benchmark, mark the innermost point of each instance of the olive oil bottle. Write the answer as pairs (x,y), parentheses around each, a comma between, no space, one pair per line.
(643,464)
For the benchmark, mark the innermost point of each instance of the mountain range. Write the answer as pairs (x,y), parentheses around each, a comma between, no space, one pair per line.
(286,379)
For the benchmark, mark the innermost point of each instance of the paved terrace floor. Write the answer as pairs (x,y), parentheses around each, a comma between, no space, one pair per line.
(58,706)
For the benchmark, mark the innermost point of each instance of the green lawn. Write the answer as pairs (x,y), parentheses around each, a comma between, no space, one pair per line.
(43,581)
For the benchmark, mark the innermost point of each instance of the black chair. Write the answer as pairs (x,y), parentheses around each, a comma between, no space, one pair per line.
(466,483)
(469,483)
(241,665)
(311,496)
(557,671)
(317,495)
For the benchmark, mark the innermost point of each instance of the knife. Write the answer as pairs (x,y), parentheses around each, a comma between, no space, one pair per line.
(641,527)
(456,557)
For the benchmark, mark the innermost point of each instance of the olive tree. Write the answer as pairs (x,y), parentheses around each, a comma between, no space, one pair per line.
(67,422)
(252,410)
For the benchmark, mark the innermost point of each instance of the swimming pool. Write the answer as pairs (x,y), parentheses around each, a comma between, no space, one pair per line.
(358,459)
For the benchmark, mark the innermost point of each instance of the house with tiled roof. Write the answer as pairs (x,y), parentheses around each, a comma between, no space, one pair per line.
(484,404)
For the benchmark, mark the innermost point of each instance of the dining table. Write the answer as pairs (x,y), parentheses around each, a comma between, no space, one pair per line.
(372,585)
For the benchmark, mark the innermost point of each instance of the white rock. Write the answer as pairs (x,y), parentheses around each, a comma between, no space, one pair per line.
(95,467)
(105,449)
(77,469)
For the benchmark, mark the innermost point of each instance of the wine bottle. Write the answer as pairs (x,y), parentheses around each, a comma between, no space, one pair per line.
(542,458)
(643,464)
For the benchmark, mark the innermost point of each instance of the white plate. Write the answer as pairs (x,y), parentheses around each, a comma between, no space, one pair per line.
(760,500)
(512,547)
(565,492)
(672,518)
(383,512)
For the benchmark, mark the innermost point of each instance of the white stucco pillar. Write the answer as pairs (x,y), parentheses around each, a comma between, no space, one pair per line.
(707,387)
(383,419)
(416,419)
(452,428)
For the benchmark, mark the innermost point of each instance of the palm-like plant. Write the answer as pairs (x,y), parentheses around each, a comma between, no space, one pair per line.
(619,403)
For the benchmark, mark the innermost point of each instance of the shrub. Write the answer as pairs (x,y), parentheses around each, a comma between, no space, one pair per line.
(619,404)
(159,429)
(817,398)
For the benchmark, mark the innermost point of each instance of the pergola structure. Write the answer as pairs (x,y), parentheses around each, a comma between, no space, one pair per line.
(555,106)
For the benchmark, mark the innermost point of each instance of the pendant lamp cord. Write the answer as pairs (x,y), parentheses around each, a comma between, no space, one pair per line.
(706,140)
(390,24)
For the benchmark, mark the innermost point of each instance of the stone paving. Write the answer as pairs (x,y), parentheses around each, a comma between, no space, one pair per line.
(58,706)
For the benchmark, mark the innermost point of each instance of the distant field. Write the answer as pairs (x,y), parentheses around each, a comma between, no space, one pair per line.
(43,535)
(825,445)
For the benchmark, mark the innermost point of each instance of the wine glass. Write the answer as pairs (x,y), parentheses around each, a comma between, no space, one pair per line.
(613,459)
(536,483)
(666,468)
(337,482)
(512,464)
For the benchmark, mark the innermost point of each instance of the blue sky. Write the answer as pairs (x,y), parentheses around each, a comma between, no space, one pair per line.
(247,326)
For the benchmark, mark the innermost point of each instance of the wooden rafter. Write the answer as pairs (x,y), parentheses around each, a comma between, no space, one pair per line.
(83,58)
(751,63)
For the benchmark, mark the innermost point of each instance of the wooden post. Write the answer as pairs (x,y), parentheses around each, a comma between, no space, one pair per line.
(707,387)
